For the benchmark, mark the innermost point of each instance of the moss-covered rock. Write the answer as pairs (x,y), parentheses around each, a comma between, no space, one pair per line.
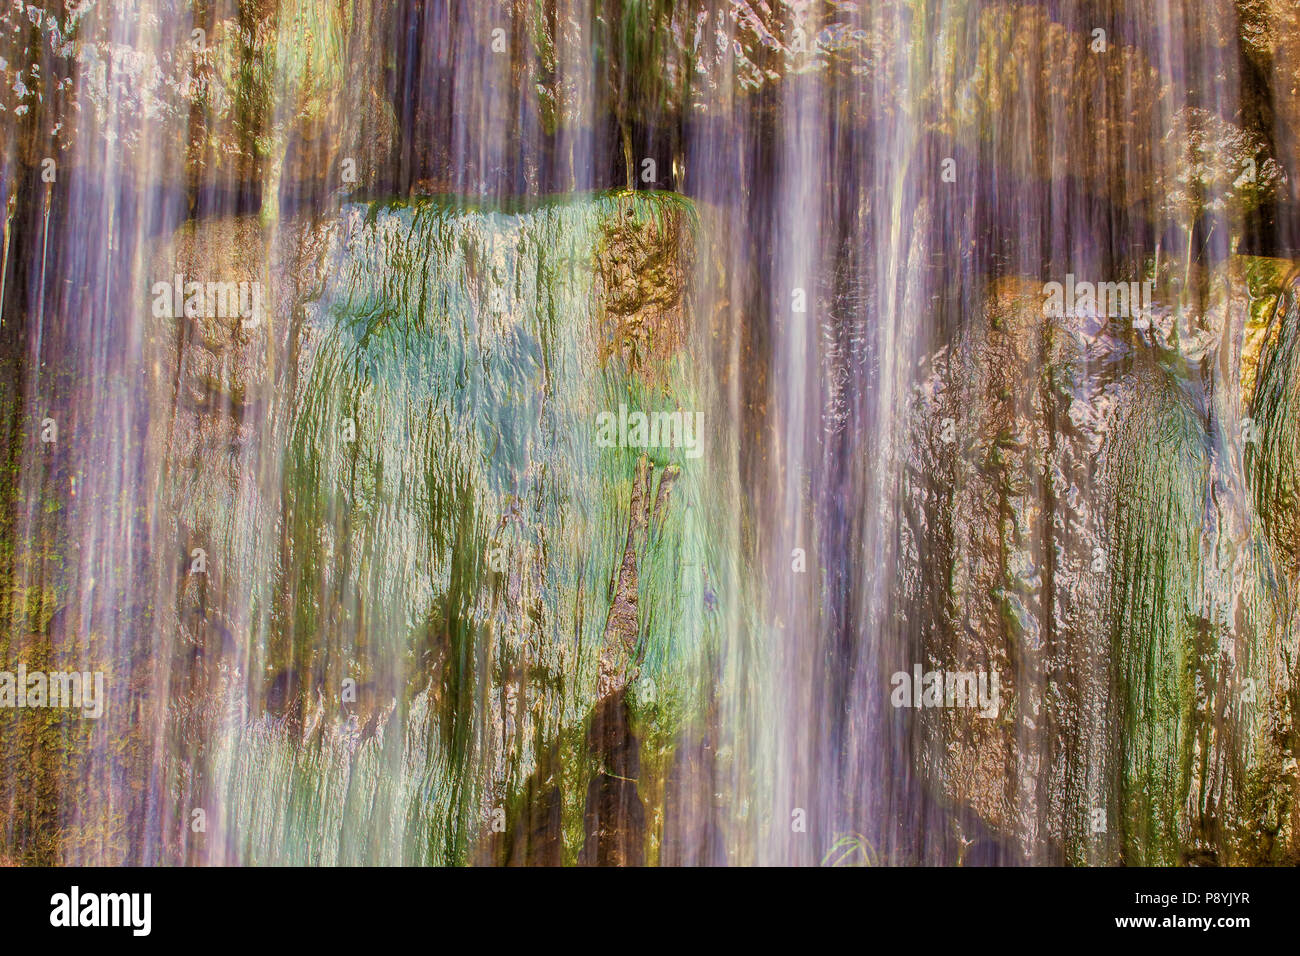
(457,578)
(1113,520)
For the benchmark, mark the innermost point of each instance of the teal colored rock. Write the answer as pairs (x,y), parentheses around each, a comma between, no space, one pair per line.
(464,565)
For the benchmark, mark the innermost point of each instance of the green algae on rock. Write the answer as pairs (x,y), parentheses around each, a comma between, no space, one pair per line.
(455,548)
(1108,550)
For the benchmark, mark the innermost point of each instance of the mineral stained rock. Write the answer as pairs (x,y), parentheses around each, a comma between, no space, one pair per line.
(1110,526)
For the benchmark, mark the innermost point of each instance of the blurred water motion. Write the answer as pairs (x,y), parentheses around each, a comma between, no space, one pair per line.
(315,314)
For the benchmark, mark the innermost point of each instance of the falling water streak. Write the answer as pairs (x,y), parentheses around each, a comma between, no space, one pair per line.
(795,631)
(800,705)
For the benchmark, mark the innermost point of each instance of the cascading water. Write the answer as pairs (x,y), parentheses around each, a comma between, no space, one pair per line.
(641,431)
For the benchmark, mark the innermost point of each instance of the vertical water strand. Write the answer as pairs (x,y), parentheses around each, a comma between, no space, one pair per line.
(796,294)
(90,382)
(727,821)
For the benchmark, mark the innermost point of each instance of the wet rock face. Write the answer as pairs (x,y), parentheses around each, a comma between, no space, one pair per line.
(614,819)
(219,299)
(1105,555)
(642,264)
(1012,429)
(1022,56)
(1272,396)
(1214,167)
(1270,33)
(389,476)
(250,96)
(618,656)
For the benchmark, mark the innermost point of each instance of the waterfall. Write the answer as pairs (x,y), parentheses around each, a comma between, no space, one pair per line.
(634,432)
